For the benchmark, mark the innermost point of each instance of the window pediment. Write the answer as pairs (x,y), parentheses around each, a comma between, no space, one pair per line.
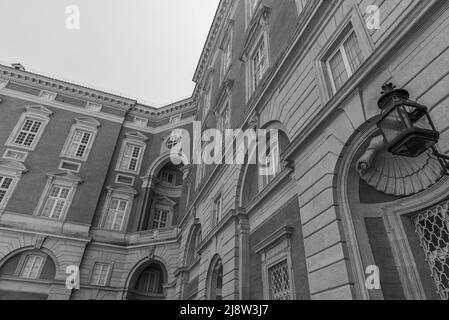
(66,176)
(38,110)
(16,167)
(87,121)
(123,189)
(165,201)
(136,136)
(259,21)
(227,33)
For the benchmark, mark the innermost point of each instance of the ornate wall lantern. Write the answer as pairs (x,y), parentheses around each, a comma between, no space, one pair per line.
(407,127)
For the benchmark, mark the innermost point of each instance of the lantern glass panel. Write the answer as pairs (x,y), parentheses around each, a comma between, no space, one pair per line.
(419,117)
(392,125)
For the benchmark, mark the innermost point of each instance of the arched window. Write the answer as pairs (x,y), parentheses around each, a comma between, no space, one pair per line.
(150,281)
(269,163)
(216,280)
(35,268)
(276,143)
(194,243)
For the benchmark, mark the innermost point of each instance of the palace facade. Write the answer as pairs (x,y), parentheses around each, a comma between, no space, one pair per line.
(86,178)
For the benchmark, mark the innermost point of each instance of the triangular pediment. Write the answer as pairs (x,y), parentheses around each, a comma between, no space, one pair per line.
(136,136)
(88,121)
(39,110)
(12,166)
(66,175)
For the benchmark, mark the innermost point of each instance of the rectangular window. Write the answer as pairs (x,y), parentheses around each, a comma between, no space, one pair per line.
(224,119)
(345,61)
(217,209)
(279,281)
(15,155)
(131,158)
(227,57)
(160,219)
(5,186)
(115,217)
(28,133)
(207,101)
(259,63)
(70,166)
(128,180)
(56,202)
(31,267)
(169,177)
(80,144)
(100,274)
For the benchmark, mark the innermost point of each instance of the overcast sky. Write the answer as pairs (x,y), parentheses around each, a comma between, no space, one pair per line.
(144,49)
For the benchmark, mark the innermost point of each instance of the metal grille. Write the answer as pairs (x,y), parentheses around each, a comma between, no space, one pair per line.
(279,282)
(432,228)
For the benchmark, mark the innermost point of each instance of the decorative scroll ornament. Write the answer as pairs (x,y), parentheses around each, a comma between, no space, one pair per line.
(395,175)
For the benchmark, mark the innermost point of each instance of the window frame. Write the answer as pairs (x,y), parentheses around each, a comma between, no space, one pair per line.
(34,113)
(61,164)
(207,100)
(354,21)
(217,215)
(107,279)
(251,87)
(66,179)
(125,193)
(13,170)
(23,260)
(342,50)
(226,107)
(24,153)
(137,140)
(273,250)
(109,210)
(168,172)
(226,55)
(159,221)
(86,125)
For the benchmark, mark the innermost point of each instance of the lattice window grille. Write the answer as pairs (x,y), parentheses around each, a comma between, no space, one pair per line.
(279,282)
(432,228)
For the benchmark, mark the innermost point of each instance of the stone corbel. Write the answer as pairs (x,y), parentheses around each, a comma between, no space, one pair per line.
(366,160)
(397,175)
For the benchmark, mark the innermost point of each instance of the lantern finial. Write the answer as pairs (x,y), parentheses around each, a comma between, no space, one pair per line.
(389,93)
(387,88)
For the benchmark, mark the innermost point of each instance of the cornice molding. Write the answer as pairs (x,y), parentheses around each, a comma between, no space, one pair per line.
(65,88)
(212,38)
(185,105)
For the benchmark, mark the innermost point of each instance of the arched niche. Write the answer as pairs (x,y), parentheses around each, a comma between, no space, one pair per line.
(147,281)
(162,187)
(215,279)
(379,196)
(254,177)
(193,244)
